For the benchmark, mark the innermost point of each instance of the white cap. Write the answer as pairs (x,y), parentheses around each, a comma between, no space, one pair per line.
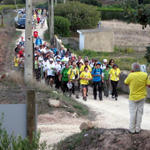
(50,59)
(104,60)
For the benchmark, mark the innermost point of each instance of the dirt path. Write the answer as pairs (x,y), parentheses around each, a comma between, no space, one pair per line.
(114,114)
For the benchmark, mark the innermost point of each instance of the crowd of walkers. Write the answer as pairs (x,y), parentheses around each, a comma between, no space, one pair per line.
(63,70)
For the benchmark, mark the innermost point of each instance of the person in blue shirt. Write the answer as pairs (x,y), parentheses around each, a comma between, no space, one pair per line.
(38,41)
(97,81)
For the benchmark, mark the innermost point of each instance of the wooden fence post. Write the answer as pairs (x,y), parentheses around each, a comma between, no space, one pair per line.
(31,114)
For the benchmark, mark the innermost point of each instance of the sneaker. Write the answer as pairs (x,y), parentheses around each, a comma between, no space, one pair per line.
(113,96)
(77,96)
(116,98)
(100,99)
(95,98)
(84,98)
(132,132)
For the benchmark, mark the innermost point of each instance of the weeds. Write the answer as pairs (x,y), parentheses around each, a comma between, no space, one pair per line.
(123,57)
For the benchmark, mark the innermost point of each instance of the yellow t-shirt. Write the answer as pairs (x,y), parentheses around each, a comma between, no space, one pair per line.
(86,75)
(137,82)
(114,74)
(72,73)
(16,62)
(82,68)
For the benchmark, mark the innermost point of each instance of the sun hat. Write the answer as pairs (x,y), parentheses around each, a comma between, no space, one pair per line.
(104,60)
(50,59)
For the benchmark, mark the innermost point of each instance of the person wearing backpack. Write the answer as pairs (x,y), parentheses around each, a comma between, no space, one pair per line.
(73,75)
(97,81)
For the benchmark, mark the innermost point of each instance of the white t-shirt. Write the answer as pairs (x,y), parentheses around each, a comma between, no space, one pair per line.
(40,59)
(103,66)
(43,50)
(45,63)
(58,67)
(50,69)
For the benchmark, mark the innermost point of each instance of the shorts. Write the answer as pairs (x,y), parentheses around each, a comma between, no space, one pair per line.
(84,86)
(50,77)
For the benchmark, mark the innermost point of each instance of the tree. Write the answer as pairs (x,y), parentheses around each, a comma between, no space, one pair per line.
(141,13)
(81,16)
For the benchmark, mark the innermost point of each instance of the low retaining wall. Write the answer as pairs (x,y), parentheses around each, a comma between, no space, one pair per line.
(124,87)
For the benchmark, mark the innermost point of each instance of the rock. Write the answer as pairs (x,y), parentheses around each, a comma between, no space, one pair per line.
(86,125)
(54,103)
(75,115)
(55,92)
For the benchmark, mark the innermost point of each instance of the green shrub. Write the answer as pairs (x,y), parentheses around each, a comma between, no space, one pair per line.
(112,13)
(10,142)
(12,1)
(81,16)
(2,7)
(62,26)
(92,2)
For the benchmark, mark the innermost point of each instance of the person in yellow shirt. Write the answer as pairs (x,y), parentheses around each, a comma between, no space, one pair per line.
(17,61)
(114,75)
(73,76)
(86,63)
(85,76)
(137,81)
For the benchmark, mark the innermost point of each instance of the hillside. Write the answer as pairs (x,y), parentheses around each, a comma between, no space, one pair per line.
(106,139)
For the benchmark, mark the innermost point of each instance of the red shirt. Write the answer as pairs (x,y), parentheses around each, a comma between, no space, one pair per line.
(35,34)
(21,53)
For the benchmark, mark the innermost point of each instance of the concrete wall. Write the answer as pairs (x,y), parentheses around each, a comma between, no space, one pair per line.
(125,88)
(72,42)
(15,119)
(102,41)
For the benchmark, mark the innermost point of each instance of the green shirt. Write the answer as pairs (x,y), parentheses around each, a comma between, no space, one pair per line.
(106,74)
(64,73)
(36,64)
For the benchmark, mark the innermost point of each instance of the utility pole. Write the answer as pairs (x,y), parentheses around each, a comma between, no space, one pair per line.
(49,20)
(28,64)
(55,2)
(52,22)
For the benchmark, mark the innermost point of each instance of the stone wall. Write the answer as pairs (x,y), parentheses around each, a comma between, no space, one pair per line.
(101,41)
(124,87)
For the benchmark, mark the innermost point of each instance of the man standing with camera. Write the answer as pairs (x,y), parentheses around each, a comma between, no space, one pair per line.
(137,81)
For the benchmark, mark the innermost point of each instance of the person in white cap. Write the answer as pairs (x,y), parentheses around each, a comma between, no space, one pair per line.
(105,62)
(50,72)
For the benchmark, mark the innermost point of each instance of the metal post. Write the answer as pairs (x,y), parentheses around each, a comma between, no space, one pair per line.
(28,64)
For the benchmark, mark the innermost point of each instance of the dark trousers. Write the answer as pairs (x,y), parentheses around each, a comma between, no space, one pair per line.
(37,73)
(64,86)
(57,82)
(114,88)
(106,88)
(97,86)
(75,89)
